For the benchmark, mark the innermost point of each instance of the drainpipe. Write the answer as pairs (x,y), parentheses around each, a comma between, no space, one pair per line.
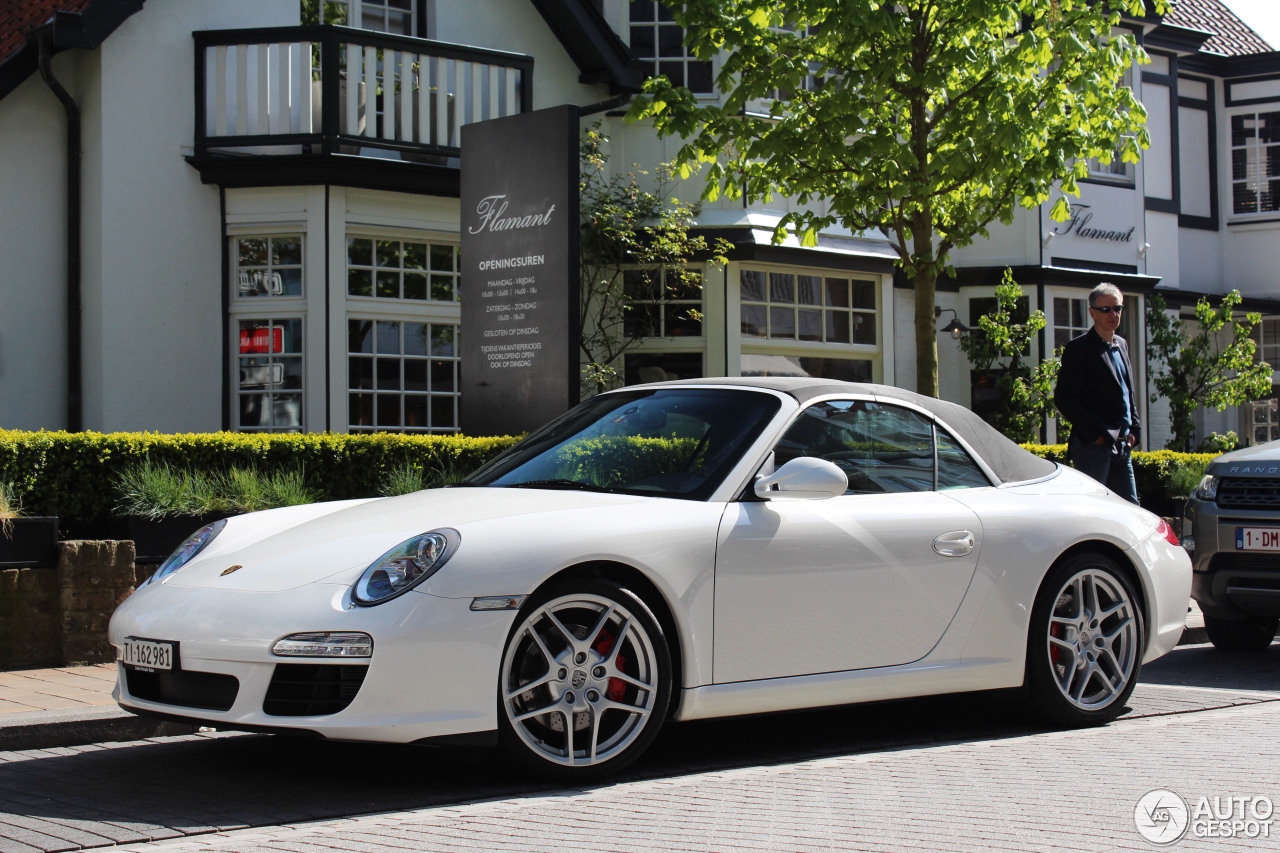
(75,376)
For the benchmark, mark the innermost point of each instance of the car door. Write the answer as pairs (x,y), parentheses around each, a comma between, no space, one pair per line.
(867,579)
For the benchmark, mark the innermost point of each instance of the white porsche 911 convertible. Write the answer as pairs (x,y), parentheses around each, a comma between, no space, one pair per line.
(679,550)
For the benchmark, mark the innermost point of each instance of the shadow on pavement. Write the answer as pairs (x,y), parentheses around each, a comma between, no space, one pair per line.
(151,790)
(1205,666)
(141,791)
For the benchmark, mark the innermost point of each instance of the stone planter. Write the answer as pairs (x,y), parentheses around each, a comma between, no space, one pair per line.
(29,541)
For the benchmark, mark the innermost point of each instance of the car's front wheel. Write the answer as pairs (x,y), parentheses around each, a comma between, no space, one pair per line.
(1085,646)
(585,680)
(1247,635)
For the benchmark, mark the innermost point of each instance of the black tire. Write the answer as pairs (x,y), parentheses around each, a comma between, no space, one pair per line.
(1085,644)
(1249,635)
(581,705)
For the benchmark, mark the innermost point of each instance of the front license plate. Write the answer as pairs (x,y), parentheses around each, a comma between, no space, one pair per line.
(148,654)
(1258,538)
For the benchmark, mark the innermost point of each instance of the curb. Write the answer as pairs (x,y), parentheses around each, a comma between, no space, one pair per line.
(80,726)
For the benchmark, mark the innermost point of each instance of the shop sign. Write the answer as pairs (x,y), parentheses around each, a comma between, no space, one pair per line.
(1081,225)
(520,271)
(262,340)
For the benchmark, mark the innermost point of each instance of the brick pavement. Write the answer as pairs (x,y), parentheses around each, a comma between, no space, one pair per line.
(25,691)
(1070,790)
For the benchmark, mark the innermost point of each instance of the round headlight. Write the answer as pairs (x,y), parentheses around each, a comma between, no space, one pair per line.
(193,545)
(405,566)
(1208,488)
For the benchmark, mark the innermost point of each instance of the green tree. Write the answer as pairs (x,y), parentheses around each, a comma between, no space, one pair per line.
(1212,366)
(636,252)
(998,347)
(925,119)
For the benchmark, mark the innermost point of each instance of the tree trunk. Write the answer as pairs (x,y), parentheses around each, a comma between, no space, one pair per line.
(926,333)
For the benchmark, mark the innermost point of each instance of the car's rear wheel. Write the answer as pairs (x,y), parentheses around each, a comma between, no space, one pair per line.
(585,680)
(1248,635)
(1085,646)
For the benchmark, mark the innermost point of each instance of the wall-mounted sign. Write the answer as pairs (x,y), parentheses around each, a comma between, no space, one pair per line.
(519,271)
(1081,225)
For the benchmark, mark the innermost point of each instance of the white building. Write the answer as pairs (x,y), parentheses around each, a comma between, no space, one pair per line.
(268,230)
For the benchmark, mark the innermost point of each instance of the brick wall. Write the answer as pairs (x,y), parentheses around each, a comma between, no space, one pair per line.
(58,615)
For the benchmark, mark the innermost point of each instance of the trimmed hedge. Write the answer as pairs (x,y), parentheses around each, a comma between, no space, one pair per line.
(1162,476)
(73,475)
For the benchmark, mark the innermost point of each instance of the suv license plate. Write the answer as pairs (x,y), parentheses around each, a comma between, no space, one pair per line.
(148,654)
(1258,538)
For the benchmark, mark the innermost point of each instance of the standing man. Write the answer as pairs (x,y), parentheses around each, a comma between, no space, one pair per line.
(1095,393)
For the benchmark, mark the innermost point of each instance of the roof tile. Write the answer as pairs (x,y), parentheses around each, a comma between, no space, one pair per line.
(18,17)
(1231,36)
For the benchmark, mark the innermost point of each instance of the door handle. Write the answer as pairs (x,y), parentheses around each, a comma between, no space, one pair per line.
(957,543)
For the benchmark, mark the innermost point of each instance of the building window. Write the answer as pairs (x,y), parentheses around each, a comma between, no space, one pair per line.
(658,41)
(268,266)
(796,307)
(1264,419)
(662,305)
(269,395)
(403,269)
(1070,319)
(1255,162)
(1117,170)
(384,16)
(402,376)
(1267,337)
(661,366)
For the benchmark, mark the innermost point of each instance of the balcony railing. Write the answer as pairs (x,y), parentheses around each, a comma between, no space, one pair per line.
(323,89)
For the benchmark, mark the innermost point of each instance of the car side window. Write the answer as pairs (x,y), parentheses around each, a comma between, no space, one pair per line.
(956,469)
(881,448)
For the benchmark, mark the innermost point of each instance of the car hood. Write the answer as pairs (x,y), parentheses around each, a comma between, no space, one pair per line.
(1262,460)
(333,543)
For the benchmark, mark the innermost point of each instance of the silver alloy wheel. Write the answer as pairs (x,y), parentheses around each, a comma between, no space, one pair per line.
(580,680)
(1094,639)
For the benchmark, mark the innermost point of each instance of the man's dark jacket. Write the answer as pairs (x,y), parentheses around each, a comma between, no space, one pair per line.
(1089,393)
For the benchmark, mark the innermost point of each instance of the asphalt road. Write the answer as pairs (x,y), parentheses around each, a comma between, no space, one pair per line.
(1201,719)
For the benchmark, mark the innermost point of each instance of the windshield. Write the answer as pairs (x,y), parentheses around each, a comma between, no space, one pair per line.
(674,442)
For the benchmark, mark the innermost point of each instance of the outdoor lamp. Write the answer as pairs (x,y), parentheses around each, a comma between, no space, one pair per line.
(955,327)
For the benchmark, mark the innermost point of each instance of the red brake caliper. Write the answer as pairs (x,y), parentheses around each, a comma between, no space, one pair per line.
(617,689)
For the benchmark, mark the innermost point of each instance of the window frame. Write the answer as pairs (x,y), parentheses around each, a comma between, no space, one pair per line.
(653,64)
(268,308)
(272,359)
(870,354)
(375,268)
(664,300)
(400,391)
(402,311)
(1253,144)
(356,12)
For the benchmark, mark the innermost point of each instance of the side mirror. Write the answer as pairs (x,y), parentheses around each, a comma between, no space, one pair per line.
(805,477)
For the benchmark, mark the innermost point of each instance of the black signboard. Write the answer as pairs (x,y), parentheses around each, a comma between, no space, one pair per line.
(519,271)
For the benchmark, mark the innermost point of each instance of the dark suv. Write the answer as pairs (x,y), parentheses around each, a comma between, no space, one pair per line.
(1231,526)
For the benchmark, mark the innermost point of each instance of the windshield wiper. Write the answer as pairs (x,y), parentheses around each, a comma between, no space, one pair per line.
(560,484)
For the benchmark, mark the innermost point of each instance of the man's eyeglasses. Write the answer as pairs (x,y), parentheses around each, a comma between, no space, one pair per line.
(1107,309)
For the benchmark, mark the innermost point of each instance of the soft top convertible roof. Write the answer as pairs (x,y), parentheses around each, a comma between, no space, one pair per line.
(1010,462)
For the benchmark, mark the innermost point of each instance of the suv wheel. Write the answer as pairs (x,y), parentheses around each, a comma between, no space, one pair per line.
(1251,635)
